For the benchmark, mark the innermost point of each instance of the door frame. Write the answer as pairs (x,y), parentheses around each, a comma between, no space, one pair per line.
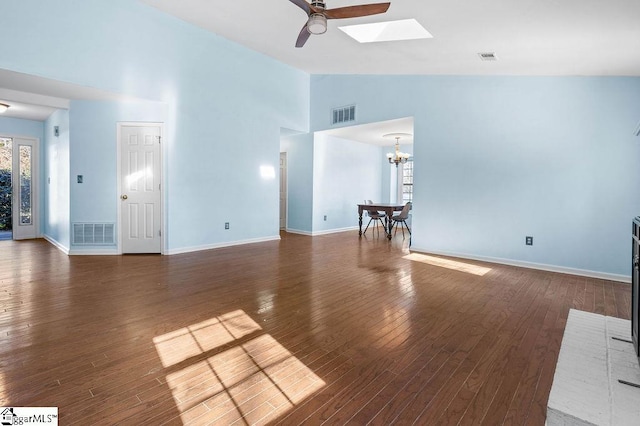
(35,183)
(119,126)
(286,193)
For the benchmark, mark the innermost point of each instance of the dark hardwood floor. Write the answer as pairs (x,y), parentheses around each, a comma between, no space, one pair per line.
(331,329)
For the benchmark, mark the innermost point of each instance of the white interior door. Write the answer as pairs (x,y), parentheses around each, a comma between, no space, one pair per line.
(25,188)
(140,193)
(283,190)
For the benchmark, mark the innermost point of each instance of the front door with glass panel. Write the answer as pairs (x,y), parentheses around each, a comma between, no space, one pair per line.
(25,201)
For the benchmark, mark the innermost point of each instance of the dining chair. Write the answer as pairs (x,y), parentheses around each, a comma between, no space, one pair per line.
(375,216)
(401,219)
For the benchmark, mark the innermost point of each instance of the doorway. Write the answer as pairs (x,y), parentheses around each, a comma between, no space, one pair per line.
(140,187)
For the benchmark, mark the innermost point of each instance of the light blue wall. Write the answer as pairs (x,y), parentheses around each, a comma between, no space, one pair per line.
(226,105)
(93,152)
(500,158)
(318,167)
(299,149)
(56,208)
(345,173)
(18,127)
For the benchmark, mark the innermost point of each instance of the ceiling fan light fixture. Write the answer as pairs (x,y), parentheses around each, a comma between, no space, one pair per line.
(317,24)
(318,5)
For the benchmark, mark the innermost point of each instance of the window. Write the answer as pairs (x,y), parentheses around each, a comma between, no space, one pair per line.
(407,181)
(25,185)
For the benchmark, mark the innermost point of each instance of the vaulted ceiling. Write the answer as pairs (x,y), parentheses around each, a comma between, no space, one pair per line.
(529,37)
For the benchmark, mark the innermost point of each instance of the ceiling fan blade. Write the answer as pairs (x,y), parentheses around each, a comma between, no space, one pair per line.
(356,11)
(303,36)
(302,5)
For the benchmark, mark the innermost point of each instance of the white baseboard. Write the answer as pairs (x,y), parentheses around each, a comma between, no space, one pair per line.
(79,251)
(326,232)
(298,231)
(531,265)
(56,244)
(221,245)
(335,231)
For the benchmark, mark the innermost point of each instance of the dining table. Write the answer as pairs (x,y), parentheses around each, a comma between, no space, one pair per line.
(387,208)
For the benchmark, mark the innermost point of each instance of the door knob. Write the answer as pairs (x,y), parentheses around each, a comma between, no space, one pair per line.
(124,197)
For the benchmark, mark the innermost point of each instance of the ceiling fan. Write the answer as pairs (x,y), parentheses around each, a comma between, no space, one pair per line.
(318,15)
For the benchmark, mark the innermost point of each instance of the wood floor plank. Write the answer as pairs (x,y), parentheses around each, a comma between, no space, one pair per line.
(332,329)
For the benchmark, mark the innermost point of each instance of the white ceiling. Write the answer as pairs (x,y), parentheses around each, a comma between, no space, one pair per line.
(26,111)
(530,37)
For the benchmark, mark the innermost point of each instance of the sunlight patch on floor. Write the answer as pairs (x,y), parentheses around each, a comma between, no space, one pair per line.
(193,340)
(449,264)
(256,381)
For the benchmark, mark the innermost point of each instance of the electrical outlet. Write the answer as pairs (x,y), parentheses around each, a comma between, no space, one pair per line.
(226,225)
(325,217)
(528,241)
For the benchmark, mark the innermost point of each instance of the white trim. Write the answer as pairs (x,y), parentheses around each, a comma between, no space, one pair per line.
(286,190)
(399,182)
(163,184)
(298,231)
(335,231)
(221,245)
(316,233)
(56,244)
(531,265)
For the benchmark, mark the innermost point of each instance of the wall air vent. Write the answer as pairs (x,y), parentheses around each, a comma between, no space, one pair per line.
(343,114)
(488,56)
(94,234)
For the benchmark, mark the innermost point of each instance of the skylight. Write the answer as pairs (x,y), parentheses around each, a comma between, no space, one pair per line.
(405,29)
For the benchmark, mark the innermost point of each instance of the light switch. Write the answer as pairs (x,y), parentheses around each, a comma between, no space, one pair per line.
(80,178)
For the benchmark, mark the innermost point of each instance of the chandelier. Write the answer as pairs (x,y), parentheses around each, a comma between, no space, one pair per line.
(397,157)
